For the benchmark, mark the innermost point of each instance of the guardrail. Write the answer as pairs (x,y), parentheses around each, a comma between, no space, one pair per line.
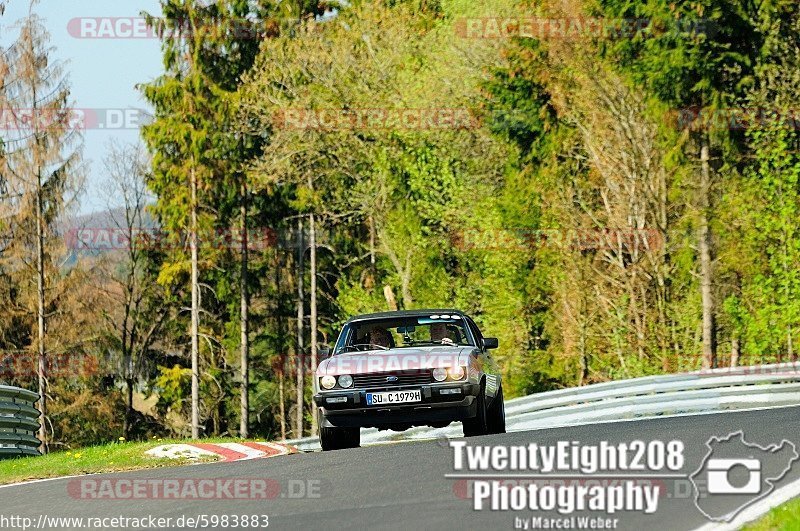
(19,422)
(707,391)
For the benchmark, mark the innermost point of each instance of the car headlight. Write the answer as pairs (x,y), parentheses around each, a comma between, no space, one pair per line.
(440,374)
(456,373)
(327,382)
(345,381)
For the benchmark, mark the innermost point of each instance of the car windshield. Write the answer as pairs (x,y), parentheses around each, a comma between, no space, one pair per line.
(405,332)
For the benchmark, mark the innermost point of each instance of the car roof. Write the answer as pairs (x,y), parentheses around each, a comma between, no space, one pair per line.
(403,313)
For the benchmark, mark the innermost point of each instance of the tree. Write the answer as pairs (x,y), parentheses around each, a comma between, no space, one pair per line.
(206,48)
(137,310)
(41,165)
(300,346)
(761,209)
(597,215)
(702,60)
(177,96)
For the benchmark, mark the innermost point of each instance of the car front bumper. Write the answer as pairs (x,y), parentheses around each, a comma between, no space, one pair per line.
(348,408)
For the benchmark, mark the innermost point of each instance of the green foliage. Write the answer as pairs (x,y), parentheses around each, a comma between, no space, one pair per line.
(172,386)
(571,137)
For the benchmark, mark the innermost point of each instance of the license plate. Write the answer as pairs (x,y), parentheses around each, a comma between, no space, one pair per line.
(394,397)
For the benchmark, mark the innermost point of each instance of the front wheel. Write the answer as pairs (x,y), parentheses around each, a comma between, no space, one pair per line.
(496,417)
(477,425)
(339,438)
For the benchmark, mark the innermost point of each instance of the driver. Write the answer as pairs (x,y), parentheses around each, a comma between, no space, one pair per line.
(440,334)
(381,337)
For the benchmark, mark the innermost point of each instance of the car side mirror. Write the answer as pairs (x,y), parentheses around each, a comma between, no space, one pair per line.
(490,343)
(324,351)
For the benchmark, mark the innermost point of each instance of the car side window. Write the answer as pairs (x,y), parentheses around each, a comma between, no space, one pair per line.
(475,332)
(344,339)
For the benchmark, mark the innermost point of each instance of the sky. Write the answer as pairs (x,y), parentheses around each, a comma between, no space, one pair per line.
(103,72)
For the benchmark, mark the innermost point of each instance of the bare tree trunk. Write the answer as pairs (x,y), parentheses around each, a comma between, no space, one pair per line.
(244,341)
(391,301)
(282,404)
(735,351)
(402,266)
(42,365)
(789,340)
(584,357)
(582,319)
(300,317)
(662,270)
(126,430)
(372,244)
(312,238)
(637,313)
(405,288)
(195,312)
(127,360)
(284,360)
(709,328)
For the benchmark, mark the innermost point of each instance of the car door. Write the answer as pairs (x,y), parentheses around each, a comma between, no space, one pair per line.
(487,363)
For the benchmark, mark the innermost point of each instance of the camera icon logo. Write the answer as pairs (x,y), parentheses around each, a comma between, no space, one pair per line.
(719,482)
(735,474)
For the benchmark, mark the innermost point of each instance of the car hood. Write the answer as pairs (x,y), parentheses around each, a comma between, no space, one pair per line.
(395,360)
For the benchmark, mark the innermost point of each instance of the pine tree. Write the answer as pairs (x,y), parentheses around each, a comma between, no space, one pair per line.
(41,166)
(207,48)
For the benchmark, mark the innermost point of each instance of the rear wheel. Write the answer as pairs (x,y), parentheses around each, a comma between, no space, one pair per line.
(496,416)
(477,425)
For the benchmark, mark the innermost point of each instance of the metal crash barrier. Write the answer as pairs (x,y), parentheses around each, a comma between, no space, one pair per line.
(19,422)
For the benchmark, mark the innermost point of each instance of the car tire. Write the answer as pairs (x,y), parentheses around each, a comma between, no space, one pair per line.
(496,417)
(339,438)
(477,425)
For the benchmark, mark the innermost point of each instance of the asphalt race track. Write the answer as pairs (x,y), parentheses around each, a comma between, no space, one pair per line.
(403,486)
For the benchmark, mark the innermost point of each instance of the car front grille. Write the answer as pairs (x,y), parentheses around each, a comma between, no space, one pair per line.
(363,381)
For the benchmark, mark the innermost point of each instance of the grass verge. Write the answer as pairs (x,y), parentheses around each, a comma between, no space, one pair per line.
(117,457)
(785,517)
